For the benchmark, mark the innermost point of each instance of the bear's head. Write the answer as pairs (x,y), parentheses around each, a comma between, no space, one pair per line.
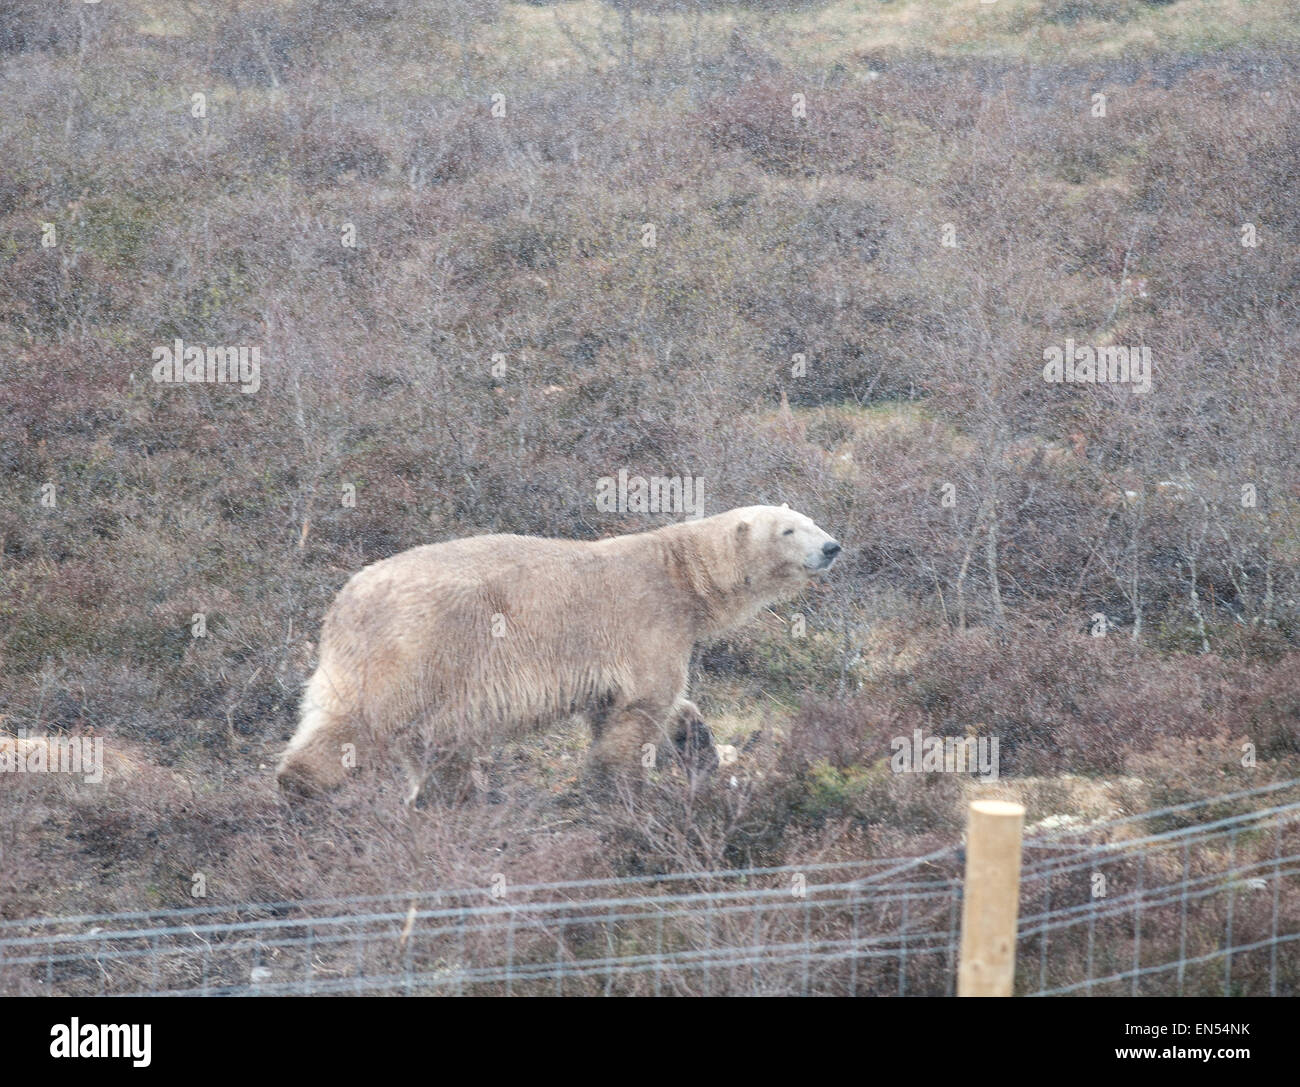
(779,550)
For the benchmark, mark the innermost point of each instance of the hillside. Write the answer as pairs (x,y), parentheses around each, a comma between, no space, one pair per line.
(490,253)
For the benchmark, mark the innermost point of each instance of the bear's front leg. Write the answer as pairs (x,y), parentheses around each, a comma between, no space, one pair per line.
(627,739)
(693,740)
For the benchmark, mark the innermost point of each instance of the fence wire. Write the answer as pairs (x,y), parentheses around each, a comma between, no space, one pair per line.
(1201,898)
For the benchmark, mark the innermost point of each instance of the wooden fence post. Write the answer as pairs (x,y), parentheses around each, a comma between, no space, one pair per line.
(991,899)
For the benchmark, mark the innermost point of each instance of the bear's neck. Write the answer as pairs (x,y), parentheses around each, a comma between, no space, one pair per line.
(708,571)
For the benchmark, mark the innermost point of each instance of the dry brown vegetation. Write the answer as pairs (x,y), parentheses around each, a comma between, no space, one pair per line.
(521,236)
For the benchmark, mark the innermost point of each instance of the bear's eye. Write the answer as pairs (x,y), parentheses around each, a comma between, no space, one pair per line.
(788,532)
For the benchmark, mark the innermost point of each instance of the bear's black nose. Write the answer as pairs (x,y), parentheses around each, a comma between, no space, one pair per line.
(830,549)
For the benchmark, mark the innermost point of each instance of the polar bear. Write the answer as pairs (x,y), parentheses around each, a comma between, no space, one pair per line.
(445,649)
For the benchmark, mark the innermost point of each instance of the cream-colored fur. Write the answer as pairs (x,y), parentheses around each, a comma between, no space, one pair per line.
(447,648)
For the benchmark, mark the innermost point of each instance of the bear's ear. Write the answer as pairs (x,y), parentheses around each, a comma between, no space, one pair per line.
(742,528)
(785,505)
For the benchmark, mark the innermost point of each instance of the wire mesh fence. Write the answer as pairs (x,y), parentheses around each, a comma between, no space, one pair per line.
(1201,898)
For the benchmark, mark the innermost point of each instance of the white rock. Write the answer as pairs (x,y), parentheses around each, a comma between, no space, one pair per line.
(1055,822)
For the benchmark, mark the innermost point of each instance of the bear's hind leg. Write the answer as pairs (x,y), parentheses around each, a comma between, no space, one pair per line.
(453,769)
(314,761)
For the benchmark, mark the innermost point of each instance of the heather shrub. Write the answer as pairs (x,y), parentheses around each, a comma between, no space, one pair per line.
(33,25)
